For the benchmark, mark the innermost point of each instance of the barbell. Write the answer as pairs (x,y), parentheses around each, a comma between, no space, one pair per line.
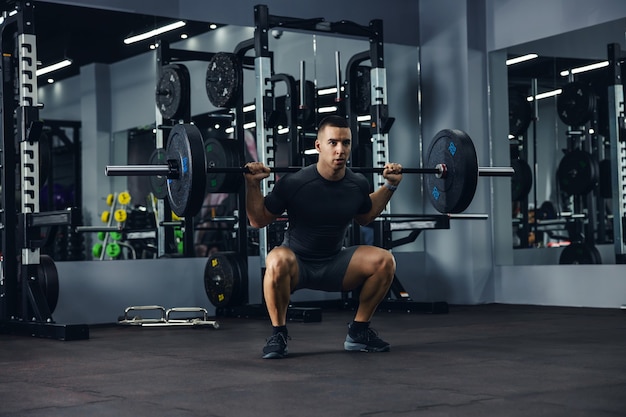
(193,163)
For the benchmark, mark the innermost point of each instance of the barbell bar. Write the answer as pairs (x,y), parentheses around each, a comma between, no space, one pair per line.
(171,171)
(191,162)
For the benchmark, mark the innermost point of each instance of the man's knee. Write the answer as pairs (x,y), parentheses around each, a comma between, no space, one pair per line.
(280,263)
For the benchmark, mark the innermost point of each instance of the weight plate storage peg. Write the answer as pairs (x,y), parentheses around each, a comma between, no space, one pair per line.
(453,192)
(172,91)
(224,76)
(223,279)
(185,150)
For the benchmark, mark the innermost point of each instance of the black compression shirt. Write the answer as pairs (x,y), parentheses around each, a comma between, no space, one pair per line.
(319,210)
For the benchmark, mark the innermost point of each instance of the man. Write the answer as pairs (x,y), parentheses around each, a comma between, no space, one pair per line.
(321,200)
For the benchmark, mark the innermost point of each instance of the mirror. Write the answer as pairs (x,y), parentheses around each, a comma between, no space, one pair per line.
(559,146)
(127,88)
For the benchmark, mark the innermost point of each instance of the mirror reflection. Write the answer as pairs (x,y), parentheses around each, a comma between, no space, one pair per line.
(560,147)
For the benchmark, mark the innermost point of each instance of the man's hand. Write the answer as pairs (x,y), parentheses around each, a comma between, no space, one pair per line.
(258,171)
(392,173)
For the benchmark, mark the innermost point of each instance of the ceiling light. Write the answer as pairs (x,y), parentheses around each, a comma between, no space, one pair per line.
(50,80)
(212,26)
(154,32)
(364,118)
(522,58)
(585,68)
(249,108)
(311,152)
(546,94)
(330,109)
(54,67)
(184,36)
(327,91)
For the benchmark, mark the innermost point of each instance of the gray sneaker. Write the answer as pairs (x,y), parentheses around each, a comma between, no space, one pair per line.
(366,341)
(276,346)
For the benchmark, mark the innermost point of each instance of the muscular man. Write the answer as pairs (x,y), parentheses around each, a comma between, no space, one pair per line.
(321,200)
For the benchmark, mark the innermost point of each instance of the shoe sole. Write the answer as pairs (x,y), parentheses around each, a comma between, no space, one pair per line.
(274,355)
(360,347)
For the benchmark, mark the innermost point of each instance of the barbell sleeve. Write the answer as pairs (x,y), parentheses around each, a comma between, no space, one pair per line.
(137,170)
(496,171)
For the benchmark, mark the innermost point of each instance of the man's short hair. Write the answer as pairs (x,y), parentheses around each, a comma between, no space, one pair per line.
(334,121)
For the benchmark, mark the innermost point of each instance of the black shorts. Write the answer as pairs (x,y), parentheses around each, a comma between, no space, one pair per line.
(324,274)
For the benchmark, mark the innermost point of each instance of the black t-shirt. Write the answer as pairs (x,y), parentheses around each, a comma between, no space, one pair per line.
(319,210)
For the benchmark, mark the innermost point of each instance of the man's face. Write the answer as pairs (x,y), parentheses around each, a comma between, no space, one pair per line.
(334,145)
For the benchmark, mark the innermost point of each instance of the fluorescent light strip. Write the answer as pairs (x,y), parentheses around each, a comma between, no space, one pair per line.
(249,108)
(330,109)
(327,91)
(364,118)
(522,58)
(585,68)
(53,67)
(311,152)
(546,94)
(154,32)
(249,125)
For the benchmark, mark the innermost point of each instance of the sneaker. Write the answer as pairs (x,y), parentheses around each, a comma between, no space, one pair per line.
(366,341)
(276,346)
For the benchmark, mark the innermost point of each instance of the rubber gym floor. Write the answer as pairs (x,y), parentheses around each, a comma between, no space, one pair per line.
(487,360)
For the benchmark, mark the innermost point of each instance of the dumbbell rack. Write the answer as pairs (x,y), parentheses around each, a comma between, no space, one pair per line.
(24,309)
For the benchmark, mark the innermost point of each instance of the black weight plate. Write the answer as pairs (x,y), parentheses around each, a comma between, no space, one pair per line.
(363,99)
(454,192)
(224,79)
(223,279)
(577,172)
(158,183)
(48,280)
(306,115)
(185,150)
(580,253)
(522,179)
(520,113)
(575,104)
(605,181)
(222,154)
(172,91)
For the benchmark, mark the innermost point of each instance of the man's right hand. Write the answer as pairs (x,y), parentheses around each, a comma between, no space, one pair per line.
(258,171)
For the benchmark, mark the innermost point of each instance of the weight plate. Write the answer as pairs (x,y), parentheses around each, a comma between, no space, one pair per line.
(48,279)
(120,215)
(580,253)
(520,113)
(185,151)
(522,179)
(363,98)
(224,79)
(222,154)
(223,281)
(577,172)
(576,104)
(605,181)
(306,115)
(113,250)
(454,192)
(172,91)
(158,183)
(124,198)
(96,250)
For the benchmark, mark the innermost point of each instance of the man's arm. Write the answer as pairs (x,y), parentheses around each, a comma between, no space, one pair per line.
(258,215)
(380,198)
